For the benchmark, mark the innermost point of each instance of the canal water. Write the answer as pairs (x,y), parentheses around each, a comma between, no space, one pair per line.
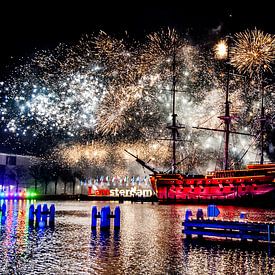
(150,241)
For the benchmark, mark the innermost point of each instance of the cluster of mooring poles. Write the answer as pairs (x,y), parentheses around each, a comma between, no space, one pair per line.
(105,216)
(41,217)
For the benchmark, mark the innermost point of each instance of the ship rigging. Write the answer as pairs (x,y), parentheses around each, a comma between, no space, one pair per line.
(255,181)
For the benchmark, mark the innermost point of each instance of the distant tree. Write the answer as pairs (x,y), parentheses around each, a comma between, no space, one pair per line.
(45,173)
(66,176)
(78,174)
(2,175)
(10,176)
(56,169)
(35,173)
(22,175)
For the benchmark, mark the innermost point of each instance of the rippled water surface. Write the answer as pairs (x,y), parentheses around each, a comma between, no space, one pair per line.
(150,241)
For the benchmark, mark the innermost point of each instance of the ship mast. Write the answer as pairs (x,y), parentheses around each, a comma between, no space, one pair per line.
(174,116)
(263,121)
(227,118)
(222,51)
(174,127)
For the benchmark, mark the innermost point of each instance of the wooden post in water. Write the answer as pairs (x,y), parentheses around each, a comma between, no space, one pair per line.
(104,219)
(38,214)
(44,215)
(3,209)
(188,214)
(31,215)
(52,215)
(117,218)
(94,217)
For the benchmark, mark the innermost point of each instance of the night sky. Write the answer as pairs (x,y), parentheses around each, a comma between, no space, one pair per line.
(27,27)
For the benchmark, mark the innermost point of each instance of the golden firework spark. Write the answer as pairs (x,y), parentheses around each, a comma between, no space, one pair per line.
(253,53)
(112,116)
(221,50)
(93,154)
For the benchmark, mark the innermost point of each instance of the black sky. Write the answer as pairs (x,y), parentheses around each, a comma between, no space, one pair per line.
(26,27)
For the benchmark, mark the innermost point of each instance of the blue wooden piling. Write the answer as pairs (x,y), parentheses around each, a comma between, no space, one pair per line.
(243,216)
(52,215)
(199,214)
(38,214)
(188,214)
(117,218)
(4,209)
(108,221)
(94,217)
(3,217)
(212,211)
(105,218)
(44,215)
(31,215)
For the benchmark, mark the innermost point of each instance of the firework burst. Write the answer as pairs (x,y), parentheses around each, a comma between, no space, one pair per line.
(253,52)
(121,94)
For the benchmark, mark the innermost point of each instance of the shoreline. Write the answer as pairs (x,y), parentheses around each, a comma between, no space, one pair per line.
(267,202)
(83,197)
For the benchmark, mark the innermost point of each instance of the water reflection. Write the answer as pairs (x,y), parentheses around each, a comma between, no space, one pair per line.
(13,233)
(202,256)
(150,241)
(105,250)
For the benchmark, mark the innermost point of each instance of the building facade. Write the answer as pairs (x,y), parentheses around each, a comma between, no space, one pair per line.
(14,172)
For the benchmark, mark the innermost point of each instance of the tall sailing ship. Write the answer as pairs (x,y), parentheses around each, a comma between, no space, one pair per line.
(254,183)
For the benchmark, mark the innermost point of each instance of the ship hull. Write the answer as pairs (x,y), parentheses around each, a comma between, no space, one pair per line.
(254,185)
(266,200)
(213,194)
(208,193)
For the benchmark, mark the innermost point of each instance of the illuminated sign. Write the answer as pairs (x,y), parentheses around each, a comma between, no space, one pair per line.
(133,191)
